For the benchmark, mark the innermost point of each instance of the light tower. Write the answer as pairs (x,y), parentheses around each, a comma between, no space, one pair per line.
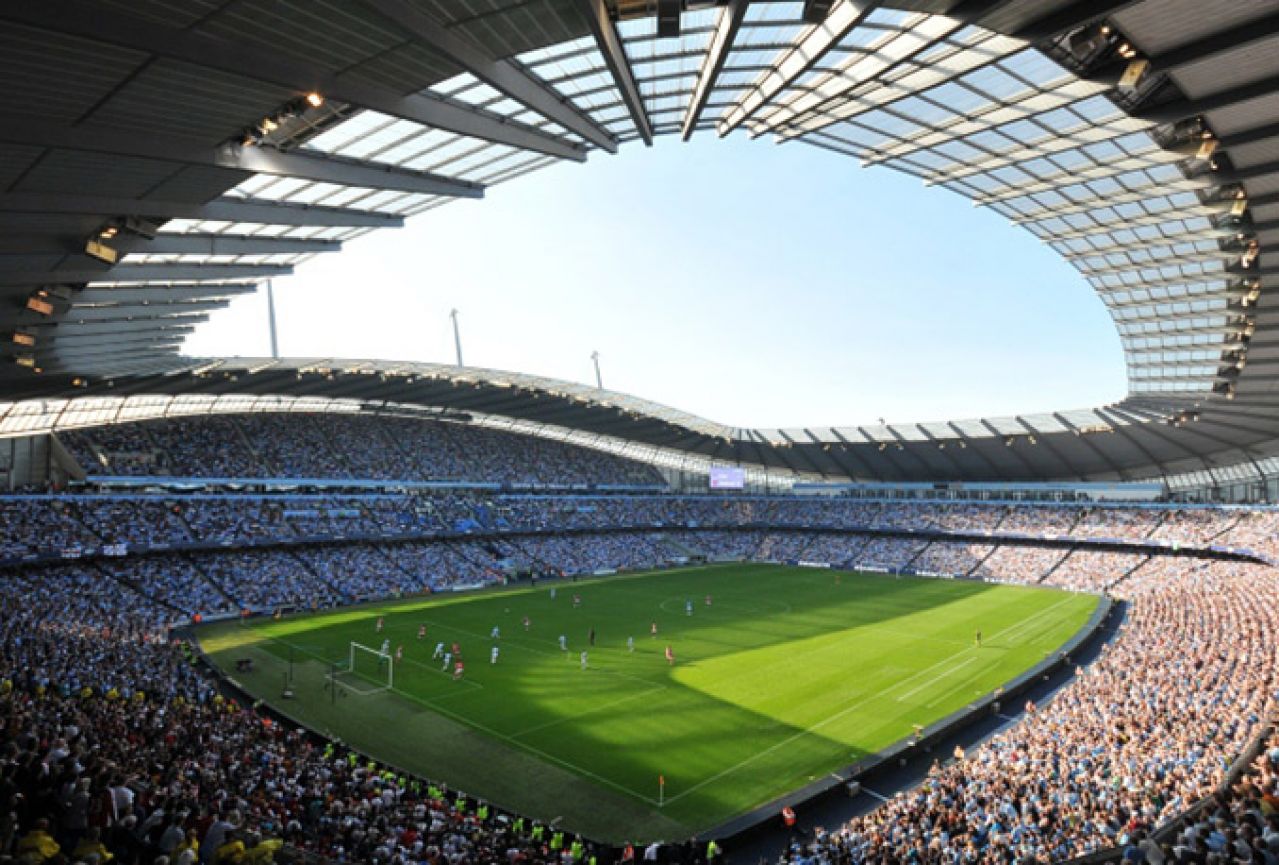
(457,337)
(270,317)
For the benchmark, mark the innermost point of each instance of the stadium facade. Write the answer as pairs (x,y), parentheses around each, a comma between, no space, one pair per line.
(161,158)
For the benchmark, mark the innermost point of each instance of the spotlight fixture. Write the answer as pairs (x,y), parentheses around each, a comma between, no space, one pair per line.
(96,249)
(315,100)
(1250,255)
(39,302)
(1134,72)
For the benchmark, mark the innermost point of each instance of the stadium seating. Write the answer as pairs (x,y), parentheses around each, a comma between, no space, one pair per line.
(115,737)
(343,446)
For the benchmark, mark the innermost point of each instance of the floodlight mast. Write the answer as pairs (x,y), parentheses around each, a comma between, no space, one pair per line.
(457,337)
(270,314)
(595,358)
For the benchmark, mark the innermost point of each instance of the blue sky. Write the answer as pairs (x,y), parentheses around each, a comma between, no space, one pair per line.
(746,282)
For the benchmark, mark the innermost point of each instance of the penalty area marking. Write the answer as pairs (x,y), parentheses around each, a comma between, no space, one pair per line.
(496,734)
(349,687)
(525,645)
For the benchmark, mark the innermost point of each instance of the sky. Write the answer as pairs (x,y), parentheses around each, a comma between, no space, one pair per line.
(750,283)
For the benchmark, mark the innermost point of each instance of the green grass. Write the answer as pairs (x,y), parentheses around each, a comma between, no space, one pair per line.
(789,674)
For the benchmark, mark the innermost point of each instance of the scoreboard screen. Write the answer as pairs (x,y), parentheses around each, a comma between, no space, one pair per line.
(728,478)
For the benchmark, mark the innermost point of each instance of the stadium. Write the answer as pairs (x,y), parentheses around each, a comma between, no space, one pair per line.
(337,610)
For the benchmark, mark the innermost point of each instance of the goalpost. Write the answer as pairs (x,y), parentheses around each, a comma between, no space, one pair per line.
(371,665)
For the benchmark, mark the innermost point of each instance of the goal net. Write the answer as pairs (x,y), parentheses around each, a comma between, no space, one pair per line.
(370,666)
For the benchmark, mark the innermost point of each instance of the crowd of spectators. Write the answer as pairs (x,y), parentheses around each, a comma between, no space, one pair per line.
(267,579)
(360,571)
(960,559)
(117,744)
(311,576)
(1134,740)
(799,546)
(890,553)
(300,566)
(344,446)
(1238,824)
(1021,564)
(1094,570)
(118,748)
(133,521)
(1132,524)
(586,553)
(445,564)
(173,582)
(35,524)
(53,523)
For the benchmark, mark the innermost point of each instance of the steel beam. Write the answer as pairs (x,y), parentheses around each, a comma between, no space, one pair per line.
(146,364)
(128,342)
(116,337)
(796,61)
(160,293)
(140,311)
(1181,109)
(224,244)
(610,45)
(1250,136)
(234,156)
(103,329)
(1069,18)
(1238,175)
(111,353)
(218,210)
(504,76)
(110,317)
(93,21)
(721,45)
(144,272)
(1216,44)
(164,244)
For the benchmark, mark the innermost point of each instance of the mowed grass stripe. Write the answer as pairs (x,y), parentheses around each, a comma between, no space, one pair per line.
(789,674)
(434,705)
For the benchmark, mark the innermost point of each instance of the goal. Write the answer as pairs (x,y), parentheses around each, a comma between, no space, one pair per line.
(370,665)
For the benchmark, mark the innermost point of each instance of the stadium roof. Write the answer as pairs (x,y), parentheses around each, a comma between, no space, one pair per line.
(213,143)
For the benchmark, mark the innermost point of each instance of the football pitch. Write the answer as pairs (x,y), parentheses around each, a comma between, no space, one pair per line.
(785,675)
